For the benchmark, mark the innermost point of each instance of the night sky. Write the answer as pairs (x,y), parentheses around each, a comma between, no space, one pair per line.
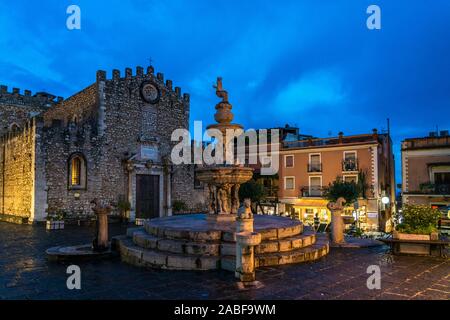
(313,64)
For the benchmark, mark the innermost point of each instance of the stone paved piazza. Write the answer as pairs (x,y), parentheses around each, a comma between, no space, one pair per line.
(25,273)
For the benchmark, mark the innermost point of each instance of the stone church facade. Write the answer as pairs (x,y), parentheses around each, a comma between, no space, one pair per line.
(111,141)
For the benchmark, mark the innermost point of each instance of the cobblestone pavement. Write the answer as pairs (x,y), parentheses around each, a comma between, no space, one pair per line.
(26,274)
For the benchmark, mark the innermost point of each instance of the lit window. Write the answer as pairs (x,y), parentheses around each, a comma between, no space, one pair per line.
(77,171)
(350,162)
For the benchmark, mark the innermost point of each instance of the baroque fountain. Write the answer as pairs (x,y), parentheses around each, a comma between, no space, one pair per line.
(228,236)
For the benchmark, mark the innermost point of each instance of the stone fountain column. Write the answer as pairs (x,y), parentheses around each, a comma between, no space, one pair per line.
(101,241)
(224,179)
(246,240)
(337,222)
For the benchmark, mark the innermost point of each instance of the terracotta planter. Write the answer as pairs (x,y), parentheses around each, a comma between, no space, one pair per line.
(411,236)
(413,248)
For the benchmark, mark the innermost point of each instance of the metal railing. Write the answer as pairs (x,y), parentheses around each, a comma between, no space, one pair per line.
(311,191)
(314,167)
(436,188)
(350,165)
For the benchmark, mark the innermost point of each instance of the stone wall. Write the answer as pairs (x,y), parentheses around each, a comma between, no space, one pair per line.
(17,108)
(183,189)
(60,142)
(17,172)
(79,108)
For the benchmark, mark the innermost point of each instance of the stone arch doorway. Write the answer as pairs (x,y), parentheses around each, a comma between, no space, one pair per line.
(147,196)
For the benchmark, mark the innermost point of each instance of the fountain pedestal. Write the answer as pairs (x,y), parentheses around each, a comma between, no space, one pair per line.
(337,222)
(101,242)
(246,240)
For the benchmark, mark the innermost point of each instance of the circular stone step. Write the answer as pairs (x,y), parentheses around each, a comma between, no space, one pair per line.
(195,227)
(215,248)
(135,255)
(148,241)
(307,254)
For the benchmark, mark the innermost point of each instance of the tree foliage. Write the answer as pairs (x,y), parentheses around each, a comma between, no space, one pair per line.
(419,219)
(350,191)
(252,190)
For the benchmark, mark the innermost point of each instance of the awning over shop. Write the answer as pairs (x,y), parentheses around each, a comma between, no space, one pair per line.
(310,203)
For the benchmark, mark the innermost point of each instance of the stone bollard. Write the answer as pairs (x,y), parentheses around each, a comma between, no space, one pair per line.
(101,241)
(246,240)
(337,222)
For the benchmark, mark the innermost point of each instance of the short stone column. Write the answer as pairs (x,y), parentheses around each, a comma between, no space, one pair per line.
(246,240)
(337,222)
(101,241)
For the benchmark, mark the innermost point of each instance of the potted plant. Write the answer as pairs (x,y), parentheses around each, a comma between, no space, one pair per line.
(55,221)
(419,223)
(179,206)
(124,208)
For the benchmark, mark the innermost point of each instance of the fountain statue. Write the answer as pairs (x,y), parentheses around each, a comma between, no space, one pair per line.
(223,180)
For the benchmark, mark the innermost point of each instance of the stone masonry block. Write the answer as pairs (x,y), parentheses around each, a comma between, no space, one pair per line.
(175,246)
(153,258)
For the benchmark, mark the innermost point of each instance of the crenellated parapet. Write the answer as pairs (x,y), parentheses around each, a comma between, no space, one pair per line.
(141,74)
(16,97)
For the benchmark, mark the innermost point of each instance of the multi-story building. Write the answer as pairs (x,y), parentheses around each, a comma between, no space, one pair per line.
(309,165)
(426,170)
(270,183)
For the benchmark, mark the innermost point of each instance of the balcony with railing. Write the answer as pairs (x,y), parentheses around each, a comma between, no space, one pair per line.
(432,189)
(350,165)
(314,167)
(311,191)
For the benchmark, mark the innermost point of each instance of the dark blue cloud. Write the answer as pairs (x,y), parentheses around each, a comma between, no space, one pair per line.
(314,64)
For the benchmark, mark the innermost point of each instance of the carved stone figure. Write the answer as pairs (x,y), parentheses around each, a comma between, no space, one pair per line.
(222,199)
(220,92)
(245,212)
(338,205)
(337,223)
(235,198)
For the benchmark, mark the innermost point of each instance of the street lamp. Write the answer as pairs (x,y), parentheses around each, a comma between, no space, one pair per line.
(385,200)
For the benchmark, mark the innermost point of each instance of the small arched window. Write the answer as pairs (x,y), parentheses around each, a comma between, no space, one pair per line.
(77,171)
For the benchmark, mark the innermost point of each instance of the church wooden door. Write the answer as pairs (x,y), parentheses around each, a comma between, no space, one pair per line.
(147,196)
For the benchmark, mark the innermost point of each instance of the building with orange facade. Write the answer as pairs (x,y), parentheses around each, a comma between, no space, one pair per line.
(426,171)
(309,165)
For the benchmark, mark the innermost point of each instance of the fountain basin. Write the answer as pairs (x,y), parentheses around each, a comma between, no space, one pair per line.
(76,253)
(224,174)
